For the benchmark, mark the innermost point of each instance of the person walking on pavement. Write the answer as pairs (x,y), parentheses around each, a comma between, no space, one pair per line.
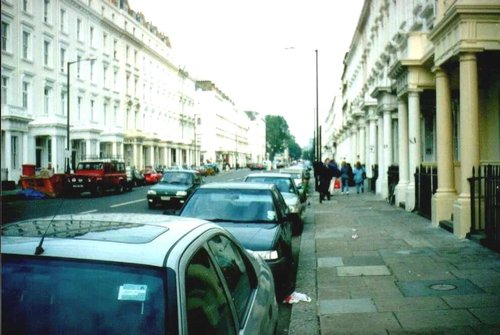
(325,178)
(359,177)
(344,177)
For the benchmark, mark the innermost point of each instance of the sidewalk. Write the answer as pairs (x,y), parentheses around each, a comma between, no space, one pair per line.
(398,275)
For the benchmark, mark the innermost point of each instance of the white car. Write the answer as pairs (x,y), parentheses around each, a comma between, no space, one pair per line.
(286,185)
(132,274)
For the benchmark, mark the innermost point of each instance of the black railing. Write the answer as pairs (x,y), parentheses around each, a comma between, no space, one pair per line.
(485,203)
(4,174)
(392,181)
(426,183)
(373,179)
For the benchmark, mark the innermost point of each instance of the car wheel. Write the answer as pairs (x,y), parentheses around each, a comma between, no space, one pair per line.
(151,205)
(120,189)
(98,191)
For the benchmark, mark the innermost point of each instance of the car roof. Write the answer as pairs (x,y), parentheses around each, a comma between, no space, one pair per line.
(269,175)
(180,170)
(238,186)
(126,238)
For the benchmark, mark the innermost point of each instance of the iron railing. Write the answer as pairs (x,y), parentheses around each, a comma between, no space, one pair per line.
(426,183)
(392,182)
(485,203)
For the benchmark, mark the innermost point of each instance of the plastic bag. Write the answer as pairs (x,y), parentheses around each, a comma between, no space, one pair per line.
(295,297)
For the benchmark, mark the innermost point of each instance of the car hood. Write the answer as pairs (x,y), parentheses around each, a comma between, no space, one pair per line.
(170,188)
(256,237)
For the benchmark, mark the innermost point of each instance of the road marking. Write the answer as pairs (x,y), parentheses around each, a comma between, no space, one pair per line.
(88,212)
(127,203)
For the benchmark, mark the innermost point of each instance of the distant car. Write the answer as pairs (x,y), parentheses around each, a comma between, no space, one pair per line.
(134,177)
(174,188)
(151,176)
(132,274)
(257,215)
(293,197)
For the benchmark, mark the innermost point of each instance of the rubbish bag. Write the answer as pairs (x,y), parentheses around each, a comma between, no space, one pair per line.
(32,194)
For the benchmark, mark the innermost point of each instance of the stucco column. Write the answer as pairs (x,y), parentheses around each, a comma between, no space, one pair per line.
(372,148)
(414,146)
(54,148)
(442,201)
(362,141)
(380,155)
(152,155)
(113,149)
(354,144)
(402,185)
(8,153)
(469,145)
(136,156)
(88,149)
(25,149)
(387,152)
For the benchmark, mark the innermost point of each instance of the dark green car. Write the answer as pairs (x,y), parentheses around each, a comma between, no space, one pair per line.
(174,188)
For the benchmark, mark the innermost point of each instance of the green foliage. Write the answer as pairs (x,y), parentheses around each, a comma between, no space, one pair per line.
(294,149)
(277,134)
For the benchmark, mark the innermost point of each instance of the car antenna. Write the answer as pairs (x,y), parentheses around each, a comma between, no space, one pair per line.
(39,249)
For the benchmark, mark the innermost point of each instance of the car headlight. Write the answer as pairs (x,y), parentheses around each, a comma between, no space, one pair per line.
(151,192)
(181,193)
(267,254)
(293,208)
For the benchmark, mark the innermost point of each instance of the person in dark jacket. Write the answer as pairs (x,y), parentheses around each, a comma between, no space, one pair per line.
(344,177)
(325,178)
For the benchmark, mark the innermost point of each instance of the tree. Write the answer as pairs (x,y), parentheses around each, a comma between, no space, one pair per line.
(277,134)
(294,150)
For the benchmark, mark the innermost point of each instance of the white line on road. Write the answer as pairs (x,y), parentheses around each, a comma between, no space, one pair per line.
(127,203)
(88,212)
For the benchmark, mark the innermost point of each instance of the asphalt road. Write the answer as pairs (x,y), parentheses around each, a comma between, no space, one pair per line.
(14,209)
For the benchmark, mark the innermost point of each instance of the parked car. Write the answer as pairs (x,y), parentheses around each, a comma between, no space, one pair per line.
(134,177)
(151,176)
(131,274)
(257,215)
(174,188)
(97,177)
(293,197)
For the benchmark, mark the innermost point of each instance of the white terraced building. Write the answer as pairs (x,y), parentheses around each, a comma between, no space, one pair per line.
(128,97)
(419,104)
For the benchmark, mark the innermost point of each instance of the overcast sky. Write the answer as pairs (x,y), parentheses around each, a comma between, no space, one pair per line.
(261,53)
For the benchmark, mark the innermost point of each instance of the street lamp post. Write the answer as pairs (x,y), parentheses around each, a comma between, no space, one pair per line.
(68,149)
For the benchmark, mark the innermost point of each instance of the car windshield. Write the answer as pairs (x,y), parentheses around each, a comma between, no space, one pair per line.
(89,166)
(54,296)
(176,178)
(283,184)
(220,205)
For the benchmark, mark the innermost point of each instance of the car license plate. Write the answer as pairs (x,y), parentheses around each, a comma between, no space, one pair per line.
(165,198)
(77,186)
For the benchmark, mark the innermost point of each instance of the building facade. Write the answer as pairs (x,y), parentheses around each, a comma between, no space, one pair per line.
(97,73)
(420,88)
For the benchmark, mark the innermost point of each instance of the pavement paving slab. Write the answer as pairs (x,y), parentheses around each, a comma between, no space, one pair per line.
(399,275)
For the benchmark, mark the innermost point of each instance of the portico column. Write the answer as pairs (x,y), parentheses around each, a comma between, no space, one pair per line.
(469,145)
(54,148)
(415,157)
(372,148)
(387,152)
(152,155)
(8,153)
(362,141)
(442,201)
(380,155)
(354,144)
(403,151)
(135,155)
(113,149)
(88,149)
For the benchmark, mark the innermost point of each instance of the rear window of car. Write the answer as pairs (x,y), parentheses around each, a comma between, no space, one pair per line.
(231,205)
(55,296)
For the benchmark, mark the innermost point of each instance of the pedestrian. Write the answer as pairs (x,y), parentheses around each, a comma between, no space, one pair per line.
(359,177)
(325,178)
(344,177)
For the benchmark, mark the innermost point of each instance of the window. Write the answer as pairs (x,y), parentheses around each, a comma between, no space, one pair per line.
(78,107)
(91,70)
(78,65)
(127,49)
(63,20)
(79,29)
(26,45)
(5,36)
(115,114)
(235,271)
(208,310)
(14,151)
(62,59)
(5,89)
(115,78)
(25,94)
(26,5)
(91,36)
(105,113)
(104,75)
(47,92)
(46,53)
(46,11)
(115,45)
(92,110)
(104,42)
(63,103)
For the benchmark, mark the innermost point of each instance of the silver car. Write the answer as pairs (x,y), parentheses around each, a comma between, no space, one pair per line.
(293,198)
(132,274)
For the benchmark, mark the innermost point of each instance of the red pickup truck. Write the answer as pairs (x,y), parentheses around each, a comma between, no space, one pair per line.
(97,177)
